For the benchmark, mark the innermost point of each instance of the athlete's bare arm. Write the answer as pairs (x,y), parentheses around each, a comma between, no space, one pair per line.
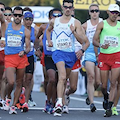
(48,32)
(3,24)
(39,33)
(27,40)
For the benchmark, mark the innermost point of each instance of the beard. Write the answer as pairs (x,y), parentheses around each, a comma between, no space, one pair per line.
(17,21)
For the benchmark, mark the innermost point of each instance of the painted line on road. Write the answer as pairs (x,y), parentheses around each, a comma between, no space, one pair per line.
(81,108)
(74,109)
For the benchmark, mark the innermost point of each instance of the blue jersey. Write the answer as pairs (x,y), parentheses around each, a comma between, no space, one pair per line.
(32,40)
(47,50)
(14,39)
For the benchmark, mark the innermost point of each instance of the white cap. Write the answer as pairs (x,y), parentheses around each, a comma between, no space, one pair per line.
(114,7)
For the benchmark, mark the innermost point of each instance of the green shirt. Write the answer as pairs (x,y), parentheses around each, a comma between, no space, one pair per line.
(111,35)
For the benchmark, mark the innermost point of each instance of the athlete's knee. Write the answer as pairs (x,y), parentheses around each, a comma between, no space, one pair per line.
(62,78)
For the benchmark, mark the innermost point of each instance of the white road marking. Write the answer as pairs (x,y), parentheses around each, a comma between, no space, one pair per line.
(79,108)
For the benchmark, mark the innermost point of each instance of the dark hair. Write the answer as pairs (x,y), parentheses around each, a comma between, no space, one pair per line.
(51,11)
(27,9)
(69,1)
(8,8)
(18,8)
(2,4)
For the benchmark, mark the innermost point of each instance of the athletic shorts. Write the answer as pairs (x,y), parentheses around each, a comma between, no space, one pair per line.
(108,61)
(30,67)
(2,57)
(69,58)
(42,59)
(49,63)
(76,66)
(90,57)
(16,61)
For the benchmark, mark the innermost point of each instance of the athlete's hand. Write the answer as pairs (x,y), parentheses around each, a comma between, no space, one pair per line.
(79,54)
(105,46)
(38,53)
(50,43)
(2,43)
(21,53)
(72,28)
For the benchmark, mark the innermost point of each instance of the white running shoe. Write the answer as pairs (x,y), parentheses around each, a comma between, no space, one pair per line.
(31,103)
(12,110)
(6,105)
(58,110)
(65,109)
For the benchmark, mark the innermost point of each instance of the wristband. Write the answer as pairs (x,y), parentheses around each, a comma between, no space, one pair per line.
(3,38)
(82,50)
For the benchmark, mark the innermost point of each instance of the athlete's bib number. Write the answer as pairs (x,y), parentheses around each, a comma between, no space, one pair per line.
(64,43)
(14,41)
(111,40)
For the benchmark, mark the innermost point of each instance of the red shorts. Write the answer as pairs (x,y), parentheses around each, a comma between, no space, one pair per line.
(76,65)
(109,61)
(2,57)
(42,59)
(16,61)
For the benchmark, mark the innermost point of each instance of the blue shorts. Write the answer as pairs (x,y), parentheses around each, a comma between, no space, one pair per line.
(90,57)
(68,57)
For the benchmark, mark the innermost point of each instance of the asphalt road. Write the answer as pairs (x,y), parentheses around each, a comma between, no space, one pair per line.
(78,110)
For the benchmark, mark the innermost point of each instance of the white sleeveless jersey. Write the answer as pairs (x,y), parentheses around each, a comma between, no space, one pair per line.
(62,36)
(90,31)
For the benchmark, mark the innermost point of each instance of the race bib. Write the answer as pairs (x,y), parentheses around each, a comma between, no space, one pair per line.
(63,43)
(14,41)
(47,47)
(111,40)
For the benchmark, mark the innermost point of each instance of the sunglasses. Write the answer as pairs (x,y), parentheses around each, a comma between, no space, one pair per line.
(7,14)
(31,19)
(57,15)
(2,9)
(72,15)
(114,12)
(66,7)
(19,15)
(96,10)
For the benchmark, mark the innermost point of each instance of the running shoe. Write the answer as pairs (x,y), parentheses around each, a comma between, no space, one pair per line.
(12,110)
(87,101)
(108,113)
(65,109)
(18,105)
(24,107)
(58,110)
(92,107)
(51,109)
(1,103)
(31,103)
(114,111)
(105,104)
(6,105)
(47,108)
(67,100)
